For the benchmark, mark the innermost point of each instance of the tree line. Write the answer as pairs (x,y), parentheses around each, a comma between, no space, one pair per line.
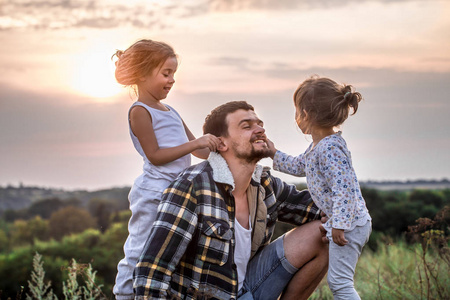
(94,232)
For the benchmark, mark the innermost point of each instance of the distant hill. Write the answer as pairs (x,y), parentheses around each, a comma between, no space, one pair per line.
(407,185)
(15,198)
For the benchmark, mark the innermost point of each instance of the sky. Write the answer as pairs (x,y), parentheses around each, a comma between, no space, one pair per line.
(63,117)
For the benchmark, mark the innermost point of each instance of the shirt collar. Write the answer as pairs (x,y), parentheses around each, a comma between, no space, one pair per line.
(222,174)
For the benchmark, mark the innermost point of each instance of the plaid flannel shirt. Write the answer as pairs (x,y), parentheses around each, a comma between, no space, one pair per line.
(190,251)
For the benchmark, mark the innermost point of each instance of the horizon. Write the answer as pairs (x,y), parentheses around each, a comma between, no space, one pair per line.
(63,117)
(21,185)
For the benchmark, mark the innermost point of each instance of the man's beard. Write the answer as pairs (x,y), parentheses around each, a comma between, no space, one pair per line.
(254,156)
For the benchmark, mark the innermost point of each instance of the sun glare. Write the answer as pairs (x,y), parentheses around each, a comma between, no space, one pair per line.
(94,75)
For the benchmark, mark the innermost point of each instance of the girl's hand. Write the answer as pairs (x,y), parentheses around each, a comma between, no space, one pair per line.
(338,237)
(208,141)
(272,148)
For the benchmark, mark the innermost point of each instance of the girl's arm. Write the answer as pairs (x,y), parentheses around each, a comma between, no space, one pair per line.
(141,125)
(200,153)
(286,163)
(293,165)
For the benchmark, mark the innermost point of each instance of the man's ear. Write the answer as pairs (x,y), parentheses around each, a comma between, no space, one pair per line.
(222,145)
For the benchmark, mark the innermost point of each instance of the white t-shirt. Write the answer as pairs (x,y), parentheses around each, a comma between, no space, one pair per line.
(242,251)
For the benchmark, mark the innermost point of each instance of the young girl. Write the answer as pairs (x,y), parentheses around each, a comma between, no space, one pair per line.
(159,136)
(321,105)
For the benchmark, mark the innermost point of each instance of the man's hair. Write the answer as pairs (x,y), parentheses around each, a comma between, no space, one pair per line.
(215,122)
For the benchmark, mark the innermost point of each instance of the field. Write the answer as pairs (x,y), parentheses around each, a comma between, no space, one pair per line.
(80,243)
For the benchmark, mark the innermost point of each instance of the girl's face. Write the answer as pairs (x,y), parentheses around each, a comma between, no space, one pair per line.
(157,85)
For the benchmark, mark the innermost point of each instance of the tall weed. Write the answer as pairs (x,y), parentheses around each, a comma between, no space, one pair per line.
(72,290)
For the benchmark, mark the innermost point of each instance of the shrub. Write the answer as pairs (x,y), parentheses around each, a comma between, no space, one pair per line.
(70,220)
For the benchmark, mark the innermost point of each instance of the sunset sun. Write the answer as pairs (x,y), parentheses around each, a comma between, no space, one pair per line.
(94,75)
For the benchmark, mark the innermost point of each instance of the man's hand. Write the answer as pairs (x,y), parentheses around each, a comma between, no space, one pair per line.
(323,232)
(338,237)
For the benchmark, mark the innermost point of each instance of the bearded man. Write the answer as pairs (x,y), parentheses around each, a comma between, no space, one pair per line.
(212,235)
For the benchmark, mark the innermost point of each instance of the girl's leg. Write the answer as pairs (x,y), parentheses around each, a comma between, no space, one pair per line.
(143,207)
(343,260)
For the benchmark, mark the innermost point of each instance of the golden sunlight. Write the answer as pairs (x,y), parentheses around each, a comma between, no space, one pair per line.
(94,75)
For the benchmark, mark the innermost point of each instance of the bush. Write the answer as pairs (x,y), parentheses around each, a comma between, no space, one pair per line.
(70,220)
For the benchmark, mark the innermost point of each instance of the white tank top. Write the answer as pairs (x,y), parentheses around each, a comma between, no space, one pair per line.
(242,250)
(169,132)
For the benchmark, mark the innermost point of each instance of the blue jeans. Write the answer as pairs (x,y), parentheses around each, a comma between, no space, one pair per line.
(268,273)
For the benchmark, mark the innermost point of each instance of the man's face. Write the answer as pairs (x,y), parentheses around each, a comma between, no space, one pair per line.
(246,136)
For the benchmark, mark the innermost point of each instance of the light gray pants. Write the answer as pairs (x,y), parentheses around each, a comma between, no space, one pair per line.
(143,207)
(342,262)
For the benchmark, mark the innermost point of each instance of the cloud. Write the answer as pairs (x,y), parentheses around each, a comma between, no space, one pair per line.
(46,140)
(28,117)
(241,63)
(68,14)
(385,78)
(56,14)
(235,5)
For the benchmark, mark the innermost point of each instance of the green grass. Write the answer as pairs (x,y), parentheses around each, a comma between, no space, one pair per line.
(395,271)
(399,271)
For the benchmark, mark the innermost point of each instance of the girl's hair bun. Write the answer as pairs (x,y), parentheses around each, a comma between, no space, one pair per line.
(118,53)
(351,99)
(347,96)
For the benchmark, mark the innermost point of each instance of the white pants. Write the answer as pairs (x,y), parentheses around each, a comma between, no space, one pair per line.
(143,207)
(342,262)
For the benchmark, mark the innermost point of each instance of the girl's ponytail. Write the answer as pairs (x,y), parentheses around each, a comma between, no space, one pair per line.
(351,99)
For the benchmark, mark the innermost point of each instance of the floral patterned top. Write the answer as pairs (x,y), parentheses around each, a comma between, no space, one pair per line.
(331,181)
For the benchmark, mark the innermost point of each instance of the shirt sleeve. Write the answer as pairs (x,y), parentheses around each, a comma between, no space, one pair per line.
(167,242)
(293,165)
(295,207)
(335,164)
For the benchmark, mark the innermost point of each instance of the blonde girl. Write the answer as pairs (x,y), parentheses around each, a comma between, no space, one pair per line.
(160,136)
(322,105)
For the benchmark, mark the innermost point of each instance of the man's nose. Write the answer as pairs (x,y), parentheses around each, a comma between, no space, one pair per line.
(259,129)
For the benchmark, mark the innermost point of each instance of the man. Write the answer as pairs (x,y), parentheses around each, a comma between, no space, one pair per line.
(211,238)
